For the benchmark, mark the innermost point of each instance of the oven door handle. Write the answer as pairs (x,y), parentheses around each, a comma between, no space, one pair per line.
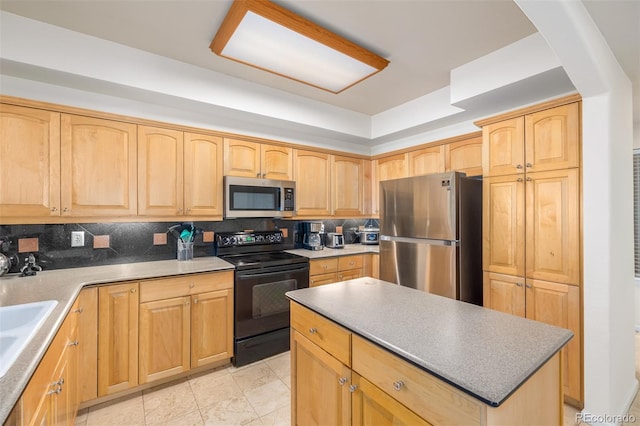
(275,270)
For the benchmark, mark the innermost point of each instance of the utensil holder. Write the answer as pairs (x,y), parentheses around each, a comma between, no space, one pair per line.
(185,250)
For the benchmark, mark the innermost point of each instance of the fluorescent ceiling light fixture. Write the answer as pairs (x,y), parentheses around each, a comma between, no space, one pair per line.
(264,35)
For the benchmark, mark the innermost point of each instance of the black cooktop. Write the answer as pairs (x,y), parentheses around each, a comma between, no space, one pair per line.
(263,260)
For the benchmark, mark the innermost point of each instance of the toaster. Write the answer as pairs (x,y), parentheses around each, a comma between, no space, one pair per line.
(334,240)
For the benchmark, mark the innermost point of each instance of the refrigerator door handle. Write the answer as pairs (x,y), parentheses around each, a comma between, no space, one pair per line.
(420,241)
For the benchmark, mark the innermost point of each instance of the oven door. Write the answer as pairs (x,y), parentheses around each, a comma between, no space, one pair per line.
(260,303)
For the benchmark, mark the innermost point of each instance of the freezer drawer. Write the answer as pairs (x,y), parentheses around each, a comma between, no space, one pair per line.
(423,265)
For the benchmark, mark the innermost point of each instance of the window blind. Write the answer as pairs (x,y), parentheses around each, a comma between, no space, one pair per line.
(636,209)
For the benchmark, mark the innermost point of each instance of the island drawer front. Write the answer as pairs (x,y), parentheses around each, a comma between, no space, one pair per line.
(323,266)
(424,394)
(184,285)
(350,275)
(321,331)
(350,262)
(322,279)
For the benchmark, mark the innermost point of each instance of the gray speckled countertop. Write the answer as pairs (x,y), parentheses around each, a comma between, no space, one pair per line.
(348,249)
(485,353)
(63,286)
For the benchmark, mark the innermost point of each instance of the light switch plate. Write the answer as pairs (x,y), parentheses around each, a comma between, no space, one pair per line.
(77,238)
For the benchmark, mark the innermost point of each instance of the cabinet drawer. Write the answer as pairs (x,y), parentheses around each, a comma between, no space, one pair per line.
(185,285)
(321,331)
(323,266)
(322,279)
(350,262)
(349,275)
(427,396)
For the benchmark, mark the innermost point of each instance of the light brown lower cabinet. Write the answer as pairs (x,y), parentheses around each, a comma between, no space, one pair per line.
(335,269)
(551,303)
(52,395)
(339,378)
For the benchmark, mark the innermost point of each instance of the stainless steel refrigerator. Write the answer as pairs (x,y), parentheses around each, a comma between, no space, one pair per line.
(431,234)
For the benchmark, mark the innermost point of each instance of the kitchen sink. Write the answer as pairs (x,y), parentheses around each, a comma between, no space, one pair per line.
(18,324)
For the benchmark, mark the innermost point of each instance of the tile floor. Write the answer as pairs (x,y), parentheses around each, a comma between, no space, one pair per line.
(252,395)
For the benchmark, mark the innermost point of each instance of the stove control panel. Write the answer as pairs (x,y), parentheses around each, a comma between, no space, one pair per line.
(231,239)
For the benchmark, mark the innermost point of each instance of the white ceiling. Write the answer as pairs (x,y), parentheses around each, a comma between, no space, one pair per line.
(423,39)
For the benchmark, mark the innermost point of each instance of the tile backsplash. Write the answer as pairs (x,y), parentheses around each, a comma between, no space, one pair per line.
(113,243)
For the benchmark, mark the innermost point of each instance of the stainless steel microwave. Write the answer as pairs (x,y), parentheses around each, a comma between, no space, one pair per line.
(254,197)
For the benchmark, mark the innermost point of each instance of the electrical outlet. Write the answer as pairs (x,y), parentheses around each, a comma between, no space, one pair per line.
(77,238)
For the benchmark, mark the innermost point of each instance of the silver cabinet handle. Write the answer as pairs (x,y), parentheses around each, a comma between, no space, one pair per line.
(195,301)
(74,343)
(529,165)
(53,209)
(257,175)
(529,179)
(519,166)
(353,388)
(519,284)
(342,381)
(78,311)
(398,385)
(313,330)
(65,209)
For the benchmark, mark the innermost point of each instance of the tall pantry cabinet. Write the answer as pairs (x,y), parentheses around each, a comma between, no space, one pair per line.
(532,222)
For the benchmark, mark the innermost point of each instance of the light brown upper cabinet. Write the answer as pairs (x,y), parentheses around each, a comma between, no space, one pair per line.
(464,156)
(427,160)
(312,171)
(386,168)
(29,162)
(537,215)
(179,173)
(160,167)
(351,186)
(251,159)
(544,140)
(98,167)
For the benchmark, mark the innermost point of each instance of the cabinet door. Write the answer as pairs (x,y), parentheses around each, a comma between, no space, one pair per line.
(503,147)
(392,167)
(241,158)
(503,225)
(371,406)
(504,293)
(322,279)
(202,175)
(312,171)
(553,226)
(211,327)
(88,344)
(98,167)
(320,394)
(164,338)
(559,305)
(276,162)
(348,186)
(160,165)
(426,161)
(60,408)
(464,156)
(117,338)
(29,162)
(553,139)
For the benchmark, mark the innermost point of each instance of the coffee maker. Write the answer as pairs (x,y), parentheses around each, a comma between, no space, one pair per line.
(310,235)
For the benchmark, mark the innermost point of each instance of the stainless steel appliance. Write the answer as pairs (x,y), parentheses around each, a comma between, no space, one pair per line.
(253,197)
(369,236)
(264,272)
(310,235)
(431,234)
(334,240)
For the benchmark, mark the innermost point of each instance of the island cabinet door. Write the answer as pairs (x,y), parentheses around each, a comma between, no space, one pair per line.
(371,406)
(320,392)
(164,338)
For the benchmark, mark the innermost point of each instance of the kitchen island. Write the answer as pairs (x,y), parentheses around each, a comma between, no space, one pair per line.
(374,352)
